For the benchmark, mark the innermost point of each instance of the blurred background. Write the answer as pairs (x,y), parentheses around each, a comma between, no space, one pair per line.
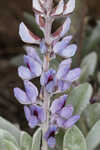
(86,33)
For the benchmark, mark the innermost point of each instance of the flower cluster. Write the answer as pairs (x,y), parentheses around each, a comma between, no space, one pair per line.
(52,81)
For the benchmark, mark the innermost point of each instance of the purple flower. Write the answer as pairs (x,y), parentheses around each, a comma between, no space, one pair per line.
(62,80)
(32,53)
(71,121)
(50,136)
(63,68)
(30,94)
(48,80)
(65,76)
(58,104)
(34,66)
(63,48)
(61,115)
(35,115)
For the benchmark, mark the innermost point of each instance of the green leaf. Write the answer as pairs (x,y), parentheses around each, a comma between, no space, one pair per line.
(7,136)
(25,141)
(36,141)
(7,145)
(88,66)
(79,97)
(6,125)
(92,114)
(74,140)
(93,137)
(59,140)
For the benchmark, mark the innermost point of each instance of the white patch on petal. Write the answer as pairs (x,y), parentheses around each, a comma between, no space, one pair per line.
(59,9)
(69,51)
(65,27)
(59,46)
(69,7)
(27,36)
(24,73)
(37,6)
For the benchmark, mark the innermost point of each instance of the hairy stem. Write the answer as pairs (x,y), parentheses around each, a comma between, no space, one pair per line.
(48,24)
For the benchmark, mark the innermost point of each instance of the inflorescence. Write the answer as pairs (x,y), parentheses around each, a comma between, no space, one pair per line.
(38,107)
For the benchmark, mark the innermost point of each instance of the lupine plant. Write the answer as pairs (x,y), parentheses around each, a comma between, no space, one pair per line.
(57,105)
(38,107)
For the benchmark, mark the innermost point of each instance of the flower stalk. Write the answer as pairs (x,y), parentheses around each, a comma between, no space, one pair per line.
(47,33)
(49,115)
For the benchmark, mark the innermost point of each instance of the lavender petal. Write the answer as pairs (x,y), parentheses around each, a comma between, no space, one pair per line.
(24,73)
(58,103)
(67,111)
(73,75)
(71,121)
(21,96)
(31,90)
(51,142)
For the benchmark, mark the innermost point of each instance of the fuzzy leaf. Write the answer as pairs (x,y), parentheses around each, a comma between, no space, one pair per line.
(74,140)
(4,124)
(88,66)
(59,140)
(79,97)
(36,140)
(25,141)
(7,145)
(5,135)
(92,114)
(93,137)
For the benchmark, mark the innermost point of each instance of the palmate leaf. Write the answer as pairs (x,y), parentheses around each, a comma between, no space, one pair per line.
(36,141)
(79,97)
(6,125)
(74,140)
(93,137)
